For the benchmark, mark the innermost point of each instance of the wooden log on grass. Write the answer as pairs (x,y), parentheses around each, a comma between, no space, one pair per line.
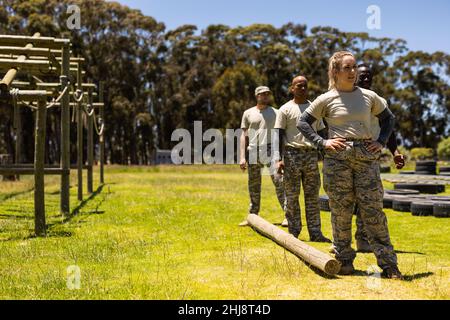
(305,252)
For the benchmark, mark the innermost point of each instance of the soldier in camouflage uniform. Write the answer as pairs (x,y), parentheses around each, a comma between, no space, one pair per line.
(300,164)
(351,164)
(257,124)
(365,77)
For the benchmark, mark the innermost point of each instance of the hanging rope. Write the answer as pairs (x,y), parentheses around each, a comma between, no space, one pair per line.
(55,101)
(16,99)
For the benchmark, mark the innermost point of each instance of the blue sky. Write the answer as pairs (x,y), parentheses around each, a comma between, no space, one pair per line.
(425,25)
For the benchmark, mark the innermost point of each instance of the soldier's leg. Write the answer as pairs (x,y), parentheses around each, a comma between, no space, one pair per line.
(292,185)
(254,187)
(362,243)
(369,197)
(338,183)
(311,187)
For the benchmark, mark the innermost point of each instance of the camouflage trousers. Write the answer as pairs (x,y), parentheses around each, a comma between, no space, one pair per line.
(360,233)
(352,177)
(255,165)
(300,167)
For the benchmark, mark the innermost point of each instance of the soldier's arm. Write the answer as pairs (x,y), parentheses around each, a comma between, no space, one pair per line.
(387,122)
(243,143)
(279,140)
(392,143)
(304,125)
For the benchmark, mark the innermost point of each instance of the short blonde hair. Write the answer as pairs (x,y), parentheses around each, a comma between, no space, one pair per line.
(334,65)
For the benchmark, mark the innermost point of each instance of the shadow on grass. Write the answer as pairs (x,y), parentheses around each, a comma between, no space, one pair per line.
(417,276)
(407,278)
(15,194)
(57,233)
(83,203)
(410,252)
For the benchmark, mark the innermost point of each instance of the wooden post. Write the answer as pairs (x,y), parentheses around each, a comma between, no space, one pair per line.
(65,134)
(39,152)
(90,144)
(19,140)
(80,138)
(307,253)
(101,138)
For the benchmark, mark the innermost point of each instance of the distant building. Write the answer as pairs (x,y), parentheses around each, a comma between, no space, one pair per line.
(162,157)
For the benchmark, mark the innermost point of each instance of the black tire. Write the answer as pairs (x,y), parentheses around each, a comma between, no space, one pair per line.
(385,169)
(439,198)
(407,172)
(324,203)
(426,173)
(402,205)
(441,209)
(422,208)
(403,192)
(444,169)
(387,201)
(421,187)
(426,163)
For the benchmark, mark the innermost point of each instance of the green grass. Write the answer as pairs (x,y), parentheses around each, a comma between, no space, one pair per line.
(171,233)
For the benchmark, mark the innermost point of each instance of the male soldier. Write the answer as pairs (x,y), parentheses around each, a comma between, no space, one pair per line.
(300,164)
(365,77)
(258,123)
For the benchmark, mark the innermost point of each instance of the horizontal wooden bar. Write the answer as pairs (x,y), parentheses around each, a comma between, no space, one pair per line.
(30,171)
(31,165)
(22,41)
(32,94)
(56,85)
(39,52)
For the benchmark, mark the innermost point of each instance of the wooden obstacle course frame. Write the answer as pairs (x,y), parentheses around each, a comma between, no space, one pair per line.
(33,55)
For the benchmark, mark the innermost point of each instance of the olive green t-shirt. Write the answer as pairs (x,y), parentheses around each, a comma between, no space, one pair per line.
(348,114)
(260,125)
(287,119)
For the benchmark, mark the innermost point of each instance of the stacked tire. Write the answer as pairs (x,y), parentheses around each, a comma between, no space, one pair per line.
(431,188)
(444,171)
(324,203)
(426,167)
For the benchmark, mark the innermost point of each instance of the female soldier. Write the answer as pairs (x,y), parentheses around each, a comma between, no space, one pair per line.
(351,164)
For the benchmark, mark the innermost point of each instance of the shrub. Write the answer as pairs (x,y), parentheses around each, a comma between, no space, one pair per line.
(443,149)
(422,154)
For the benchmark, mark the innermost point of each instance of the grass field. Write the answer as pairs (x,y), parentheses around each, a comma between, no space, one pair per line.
(171,233)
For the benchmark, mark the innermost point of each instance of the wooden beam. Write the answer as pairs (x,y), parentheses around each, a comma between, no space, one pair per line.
(40,52)
(21,41)
(22,170)
(307,253)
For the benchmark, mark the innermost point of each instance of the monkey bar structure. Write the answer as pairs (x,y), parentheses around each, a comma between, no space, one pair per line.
(46,58)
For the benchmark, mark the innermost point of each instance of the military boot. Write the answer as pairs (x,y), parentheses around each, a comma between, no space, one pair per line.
(347,268)
(392,272)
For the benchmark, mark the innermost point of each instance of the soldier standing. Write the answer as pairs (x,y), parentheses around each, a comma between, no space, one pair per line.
(365,77)
(299,163)
(351,164)
(257,124)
